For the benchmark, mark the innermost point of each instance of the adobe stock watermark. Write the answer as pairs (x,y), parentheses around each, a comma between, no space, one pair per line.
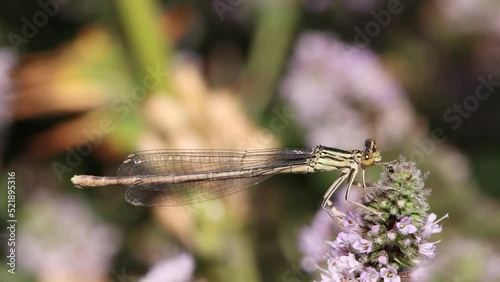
(223,7)
(39,19)
(121,107)
(381,19)
(454,116)
(278,122)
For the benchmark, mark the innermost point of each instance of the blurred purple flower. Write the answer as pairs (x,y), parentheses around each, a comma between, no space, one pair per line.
(463,16)
(177,269)
(340,90)
(428,249)
(312,238)
(478,255)
(7,61)
(60,236)
(492,270)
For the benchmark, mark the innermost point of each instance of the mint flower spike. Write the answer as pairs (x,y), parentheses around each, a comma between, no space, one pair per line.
(389,245)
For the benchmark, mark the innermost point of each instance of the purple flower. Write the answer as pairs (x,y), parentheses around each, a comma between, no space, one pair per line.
(391,236)
(383,259)
(428,249)
(332,275)
(349,263)
(376,247)
(405,226)
(369,275)
(390,274)
(362,246)
(431,226)
(344,241)
(350,222)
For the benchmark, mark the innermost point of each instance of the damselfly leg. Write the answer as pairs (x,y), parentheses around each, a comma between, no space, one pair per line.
(327,204)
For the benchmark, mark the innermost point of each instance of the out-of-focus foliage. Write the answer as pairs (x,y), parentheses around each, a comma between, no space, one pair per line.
(84,83)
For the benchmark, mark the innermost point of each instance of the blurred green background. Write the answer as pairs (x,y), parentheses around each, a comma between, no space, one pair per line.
(84,83)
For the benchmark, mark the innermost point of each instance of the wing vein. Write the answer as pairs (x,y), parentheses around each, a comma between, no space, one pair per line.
(236,170)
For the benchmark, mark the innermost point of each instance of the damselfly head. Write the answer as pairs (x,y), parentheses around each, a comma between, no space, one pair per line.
(370,154)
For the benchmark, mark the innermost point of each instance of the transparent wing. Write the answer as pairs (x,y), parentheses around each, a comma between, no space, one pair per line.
(196,165)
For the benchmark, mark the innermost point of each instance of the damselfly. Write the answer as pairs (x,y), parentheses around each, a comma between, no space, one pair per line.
(181,177)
